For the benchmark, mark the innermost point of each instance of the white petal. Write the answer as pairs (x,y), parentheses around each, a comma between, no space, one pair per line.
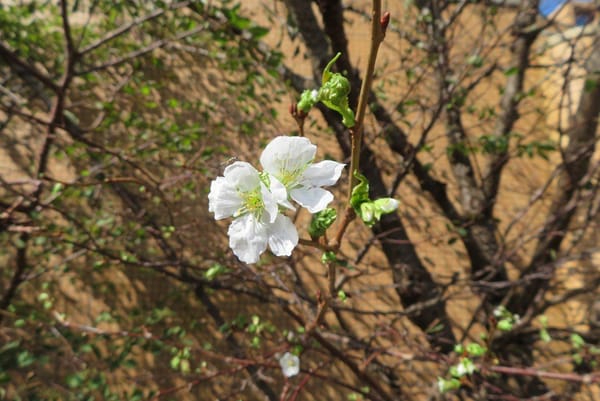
(270,202)
(280,193)
(323,173)
(223,198)
(248,238)
(283,236)
(314,199)
(242,176)
(287,153)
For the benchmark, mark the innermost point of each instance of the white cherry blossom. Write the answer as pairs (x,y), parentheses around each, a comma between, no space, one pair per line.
(290,161)
(254,203)
(290,364)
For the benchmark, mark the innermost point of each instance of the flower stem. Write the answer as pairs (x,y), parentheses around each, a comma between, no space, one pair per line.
(356,132)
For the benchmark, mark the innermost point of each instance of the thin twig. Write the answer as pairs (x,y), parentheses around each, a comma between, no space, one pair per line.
(356,132)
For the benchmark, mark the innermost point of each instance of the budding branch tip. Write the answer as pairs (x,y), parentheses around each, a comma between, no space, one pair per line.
(384,21)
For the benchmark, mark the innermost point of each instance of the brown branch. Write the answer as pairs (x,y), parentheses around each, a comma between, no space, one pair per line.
(59,101)
(414,284)
(480,242)
(571,377)
(140,52)
(13,60)
(127,27)
(574,176)
(356,132)
(18,275)
(511,99)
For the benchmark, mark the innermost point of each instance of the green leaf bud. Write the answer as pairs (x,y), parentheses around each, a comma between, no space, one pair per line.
(328,257)
(459,349)
(464,367)
(327,71)
(475,349)
(360,192)
(334,92)
(577,341)
(321,221)
(445,385)
(367,213)
(386,205)
(371,212)
(505,325)
(308,99)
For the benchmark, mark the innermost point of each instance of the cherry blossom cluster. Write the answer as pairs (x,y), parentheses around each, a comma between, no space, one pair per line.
(256,200)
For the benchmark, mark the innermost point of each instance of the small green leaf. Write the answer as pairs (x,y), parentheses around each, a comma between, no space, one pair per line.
(75,380)
(214,271)
(175,361)
(24,359)
(327,71)
(545,336)
(577,341)
(71,116)
(328,257)
(184,366)
(475,349)
(258,32)
(590,85)
(57,188)
(475,60)
(505,325)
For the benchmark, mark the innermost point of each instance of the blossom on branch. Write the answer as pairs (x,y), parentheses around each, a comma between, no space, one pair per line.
(253,200)
(289,160)
(290,364)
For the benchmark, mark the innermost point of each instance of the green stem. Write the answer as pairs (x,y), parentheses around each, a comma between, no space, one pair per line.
(356,132)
